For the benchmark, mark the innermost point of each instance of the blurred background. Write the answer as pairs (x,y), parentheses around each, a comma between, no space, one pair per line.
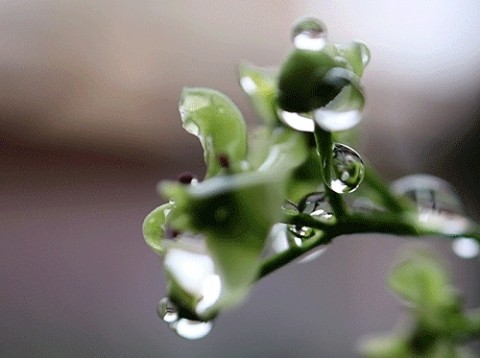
(89,124)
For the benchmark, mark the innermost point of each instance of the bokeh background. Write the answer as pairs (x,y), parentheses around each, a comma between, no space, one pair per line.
(89,124)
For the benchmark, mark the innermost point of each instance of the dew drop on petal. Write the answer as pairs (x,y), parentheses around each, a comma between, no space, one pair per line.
(465,247)
(298,121)
(309,34)
(191,329)
(167,311)
(437,203)
(335,120)
(347,170)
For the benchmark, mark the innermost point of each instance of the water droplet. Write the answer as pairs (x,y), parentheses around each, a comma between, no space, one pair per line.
(211,289)
(309,34)
(191,329)
(333,120)
(439,207)
(364,53)
(300,232)
(299,121)
(465,247)
(167,310)
(366,206)
(290,208)
(248,85)
(277,240)
(347,169)
(189,265)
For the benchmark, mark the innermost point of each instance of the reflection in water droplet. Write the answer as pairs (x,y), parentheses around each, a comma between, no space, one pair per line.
(167,311)
(366,206)
(298,121)
(333,120)
(300,232)
(190,329)
(347,169)
(316,205)
(290,208)
(466,248)
(439,207)
(309,34)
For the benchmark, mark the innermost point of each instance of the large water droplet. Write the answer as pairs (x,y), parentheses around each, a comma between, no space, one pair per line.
(300,233)
(193,270)
(347,169)
(299,121)
(191,329)
(333,120)
(309,34)
(466,248)
(439,207)
(167,311)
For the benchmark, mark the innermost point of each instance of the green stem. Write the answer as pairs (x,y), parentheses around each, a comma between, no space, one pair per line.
(382,223)
(324,144)
(355,224)
(390,201)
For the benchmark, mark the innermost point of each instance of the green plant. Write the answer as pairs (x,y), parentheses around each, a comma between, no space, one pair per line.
(294,182)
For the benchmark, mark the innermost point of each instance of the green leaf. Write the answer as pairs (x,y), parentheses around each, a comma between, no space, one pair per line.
(260,85)
(422,280)
(154,227)
(235,214)
(385,347)
(219,125)
(356,54)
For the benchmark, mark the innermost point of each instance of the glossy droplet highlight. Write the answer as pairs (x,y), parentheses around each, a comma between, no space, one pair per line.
(347,170)
(438,206)
(298,121)
(277,240)
(300,232)
(191,329)
(364,53)
(309,34)
(333,120)
(167,311)
(466,248)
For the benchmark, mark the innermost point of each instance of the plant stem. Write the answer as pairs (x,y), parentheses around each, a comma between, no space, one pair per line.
(324,144)
(355,224)
(390,201)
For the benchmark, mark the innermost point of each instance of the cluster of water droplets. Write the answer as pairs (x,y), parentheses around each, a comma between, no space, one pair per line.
(346,171)
(184,327)
(283,237)
(439,208)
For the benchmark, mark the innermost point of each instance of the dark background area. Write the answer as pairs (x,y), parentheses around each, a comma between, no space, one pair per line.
(89,125)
